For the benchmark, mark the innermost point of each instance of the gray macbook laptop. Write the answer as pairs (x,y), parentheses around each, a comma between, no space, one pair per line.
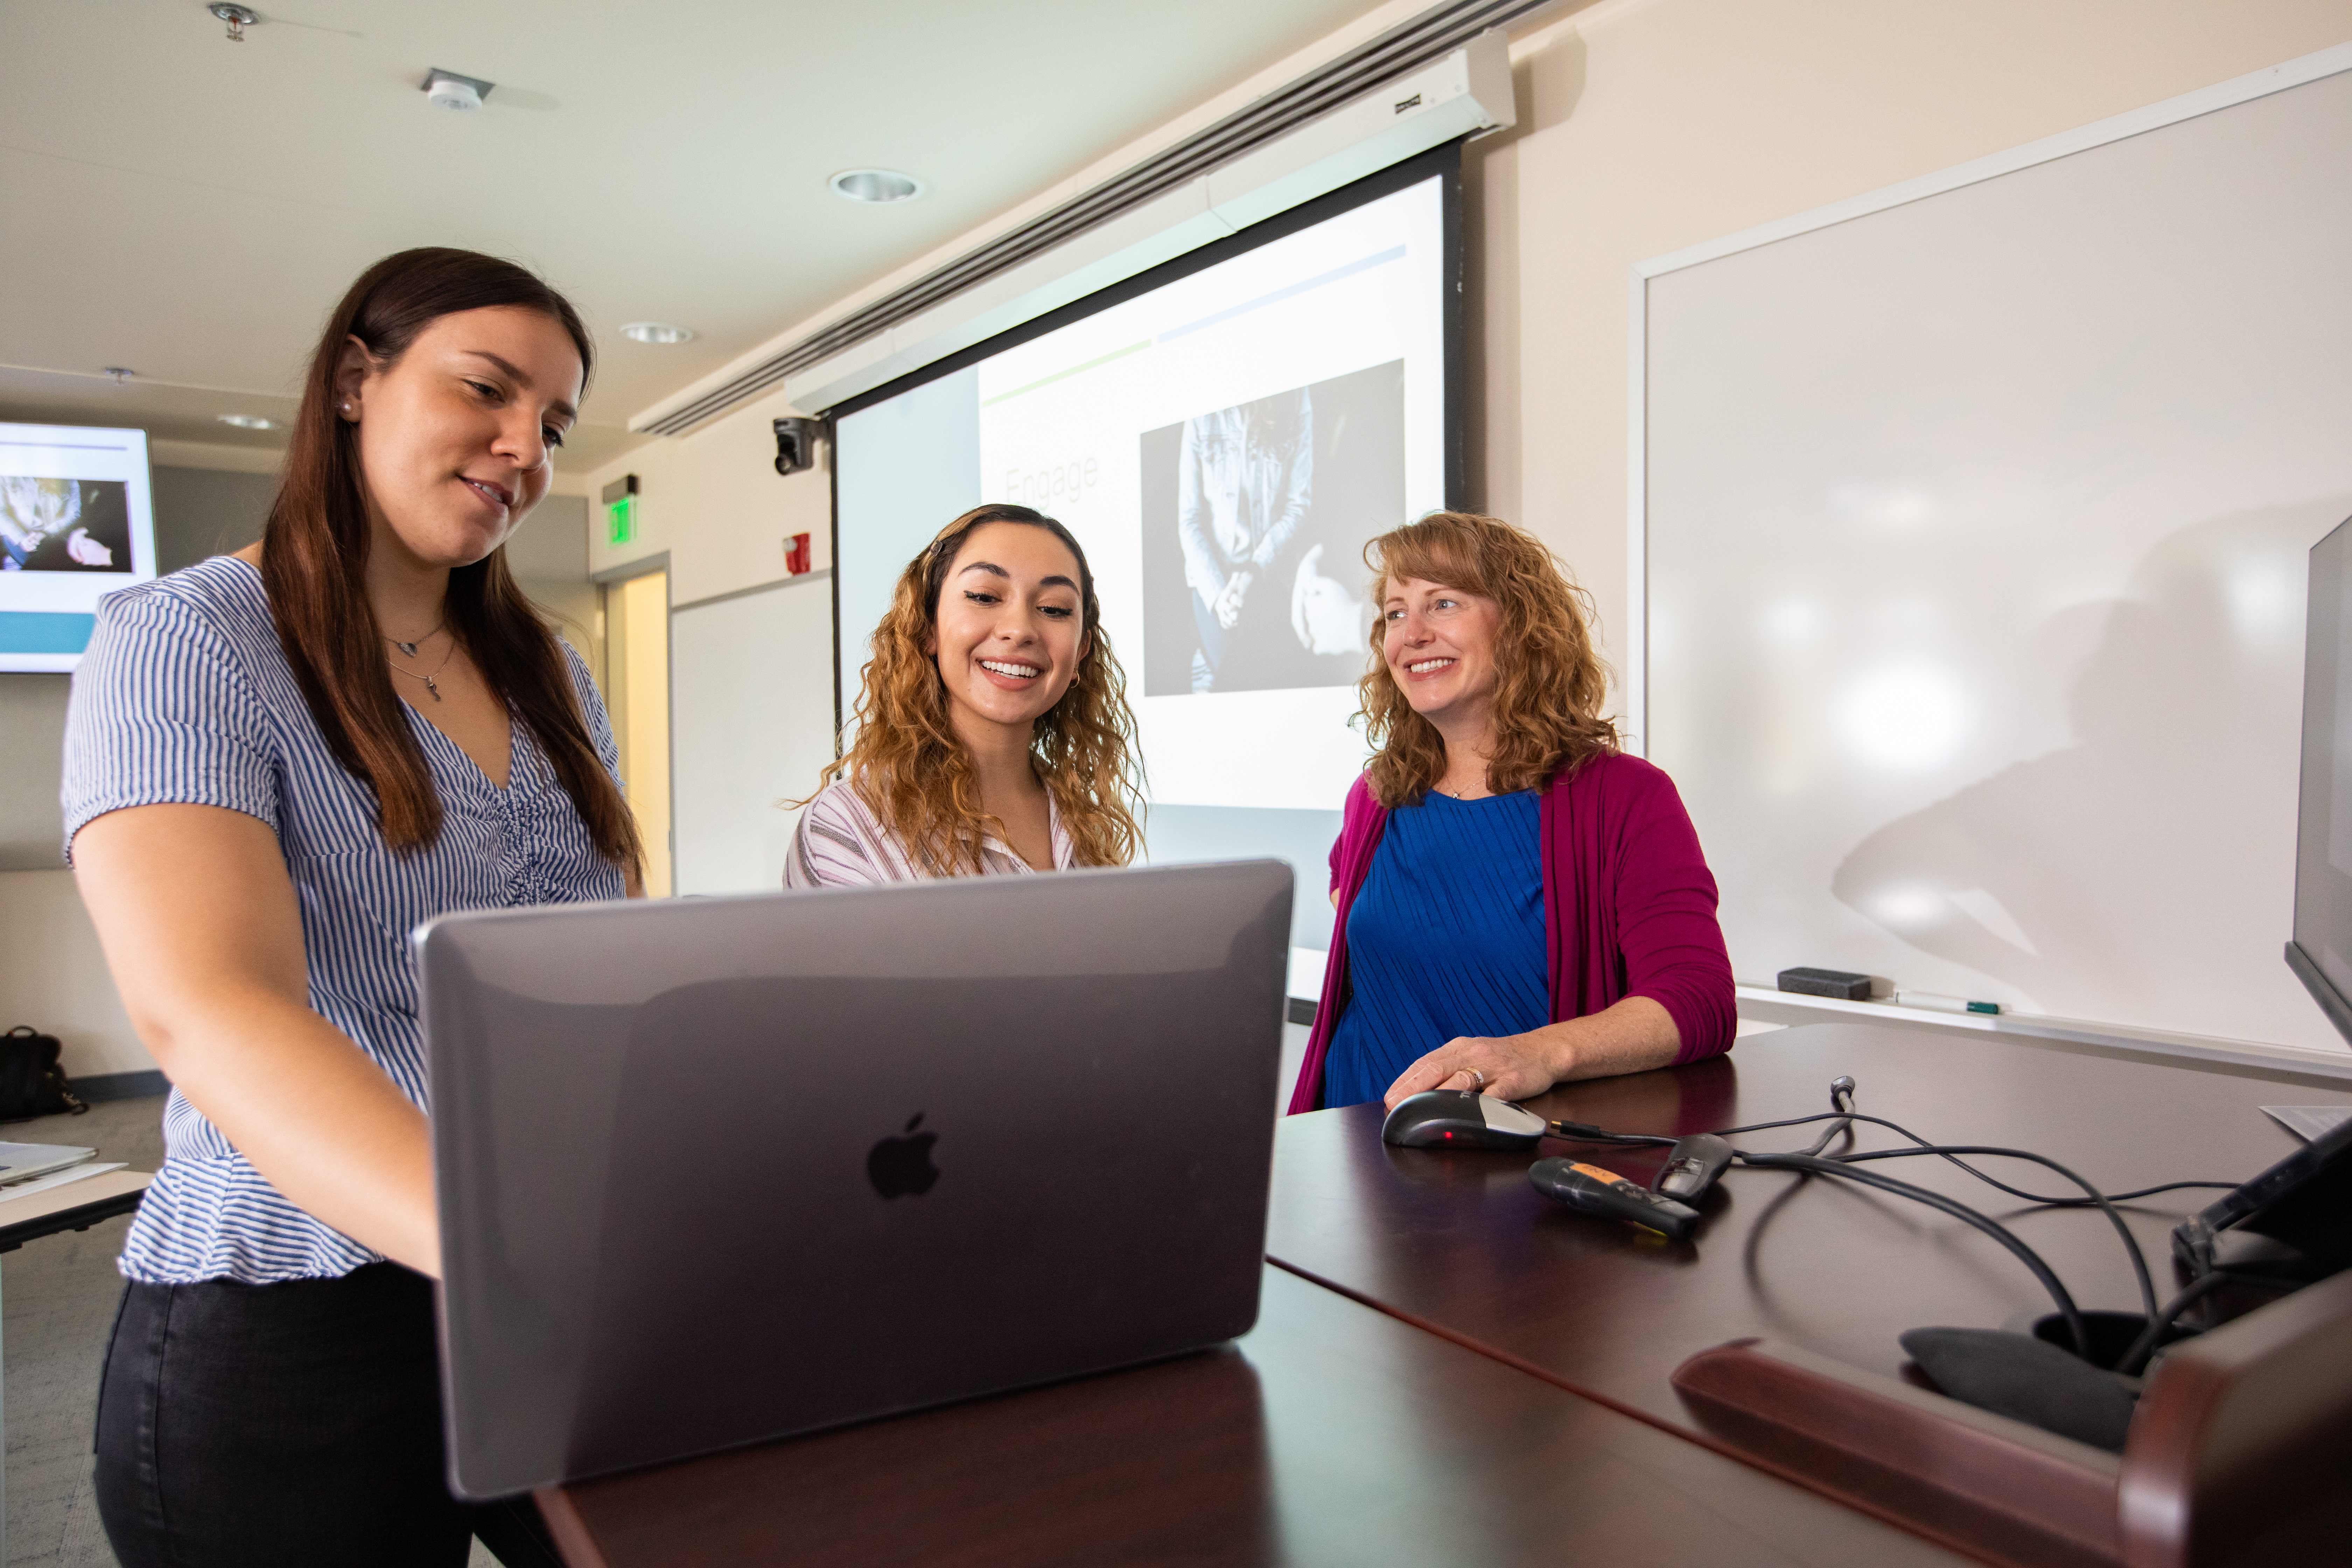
(720,1170)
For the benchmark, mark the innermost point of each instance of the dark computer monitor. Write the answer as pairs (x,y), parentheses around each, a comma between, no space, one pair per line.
(2321,953)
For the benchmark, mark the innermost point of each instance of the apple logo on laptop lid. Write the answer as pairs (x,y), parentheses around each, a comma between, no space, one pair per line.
(903,1164)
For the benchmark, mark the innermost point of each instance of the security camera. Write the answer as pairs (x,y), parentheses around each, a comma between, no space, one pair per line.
(795,444)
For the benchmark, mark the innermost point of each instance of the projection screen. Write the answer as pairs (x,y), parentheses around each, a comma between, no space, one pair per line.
(1255,410)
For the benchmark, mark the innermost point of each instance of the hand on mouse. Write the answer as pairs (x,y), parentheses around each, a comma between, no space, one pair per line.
(1512,1067)
(1634,1035)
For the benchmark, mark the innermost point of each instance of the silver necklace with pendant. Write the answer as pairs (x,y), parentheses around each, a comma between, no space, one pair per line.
(410,649)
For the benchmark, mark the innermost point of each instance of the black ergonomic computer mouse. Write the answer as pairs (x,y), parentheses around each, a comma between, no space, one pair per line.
(1456,1118)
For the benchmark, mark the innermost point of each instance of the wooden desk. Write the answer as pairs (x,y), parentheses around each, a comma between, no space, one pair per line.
(1457,1241)
(1330,1434)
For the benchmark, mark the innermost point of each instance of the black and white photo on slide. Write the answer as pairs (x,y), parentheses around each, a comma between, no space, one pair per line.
(64,525)
(1254,522)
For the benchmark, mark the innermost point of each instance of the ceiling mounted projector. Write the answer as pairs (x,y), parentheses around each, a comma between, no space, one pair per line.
(447,89)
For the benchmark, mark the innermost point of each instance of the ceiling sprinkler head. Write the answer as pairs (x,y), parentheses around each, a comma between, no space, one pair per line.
(120,372)
(238,17)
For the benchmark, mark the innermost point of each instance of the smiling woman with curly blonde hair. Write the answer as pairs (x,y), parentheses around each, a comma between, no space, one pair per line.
(993,734)
(1519,902)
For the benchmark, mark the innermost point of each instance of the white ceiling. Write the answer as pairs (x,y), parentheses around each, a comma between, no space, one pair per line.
(192,208)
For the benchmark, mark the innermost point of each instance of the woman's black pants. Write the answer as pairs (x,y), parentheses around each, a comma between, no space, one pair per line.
(297,1423)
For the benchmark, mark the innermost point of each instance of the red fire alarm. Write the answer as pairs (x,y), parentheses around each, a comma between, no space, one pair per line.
(796,553)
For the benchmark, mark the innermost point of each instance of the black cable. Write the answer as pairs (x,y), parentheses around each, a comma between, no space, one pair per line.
(1843,1117)
(1989,1180)
(2144,1347)
(1585,1132)
(1840,1099)
(2040,1270)
(2106,1205)
(1841,1090)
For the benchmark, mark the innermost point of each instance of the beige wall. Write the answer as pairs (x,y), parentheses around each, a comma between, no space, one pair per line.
(714,501)
(1649,125)
(56,980)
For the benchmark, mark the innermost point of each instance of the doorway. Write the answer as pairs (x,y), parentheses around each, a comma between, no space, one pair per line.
(636,689)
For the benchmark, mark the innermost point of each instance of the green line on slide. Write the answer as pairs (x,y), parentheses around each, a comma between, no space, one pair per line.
(1115,353)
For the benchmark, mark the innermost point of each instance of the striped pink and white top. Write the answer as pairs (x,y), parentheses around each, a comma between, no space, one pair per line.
(842,842)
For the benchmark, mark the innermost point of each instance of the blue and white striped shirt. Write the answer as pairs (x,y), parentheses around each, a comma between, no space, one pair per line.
(185,697)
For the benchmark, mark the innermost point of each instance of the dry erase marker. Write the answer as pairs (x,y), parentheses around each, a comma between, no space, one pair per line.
(1945,1004)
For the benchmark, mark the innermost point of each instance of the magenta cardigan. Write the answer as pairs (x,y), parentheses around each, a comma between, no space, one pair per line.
(1629,908)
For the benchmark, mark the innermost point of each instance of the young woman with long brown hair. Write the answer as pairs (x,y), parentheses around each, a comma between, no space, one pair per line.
(1519,902)
(993,734)
(278,763)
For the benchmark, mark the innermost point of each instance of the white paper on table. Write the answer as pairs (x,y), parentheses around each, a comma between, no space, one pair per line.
(2308,1121)
(58,1179)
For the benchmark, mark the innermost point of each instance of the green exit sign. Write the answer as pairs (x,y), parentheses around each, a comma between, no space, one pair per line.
(620,511)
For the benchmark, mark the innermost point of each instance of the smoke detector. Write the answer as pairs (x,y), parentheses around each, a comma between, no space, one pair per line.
(447,89)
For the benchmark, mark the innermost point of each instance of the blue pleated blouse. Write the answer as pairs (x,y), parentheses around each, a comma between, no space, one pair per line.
(1446,939)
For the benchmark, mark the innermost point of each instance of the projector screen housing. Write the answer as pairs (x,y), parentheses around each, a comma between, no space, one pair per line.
(76,522)
(1321,349)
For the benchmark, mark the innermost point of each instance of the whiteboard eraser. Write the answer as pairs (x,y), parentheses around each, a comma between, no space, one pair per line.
(1838,983)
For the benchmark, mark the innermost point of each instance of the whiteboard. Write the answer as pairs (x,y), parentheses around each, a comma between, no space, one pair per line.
(751,724)
(1970,532)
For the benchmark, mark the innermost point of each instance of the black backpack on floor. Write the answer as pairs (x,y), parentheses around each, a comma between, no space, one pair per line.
(31,1082)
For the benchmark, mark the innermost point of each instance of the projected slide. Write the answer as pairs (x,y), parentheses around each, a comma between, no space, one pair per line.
(1223,445)
(76,522)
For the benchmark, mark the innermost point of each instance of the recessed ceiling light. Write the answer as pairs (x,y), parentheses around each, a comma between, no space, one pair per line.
(248,421)
(874,186)
(656,333)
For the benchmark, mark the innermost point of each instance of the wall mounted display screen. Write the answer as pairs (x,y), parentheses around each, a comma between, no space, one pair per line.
(2321,953)
(1222,436)
(76,522)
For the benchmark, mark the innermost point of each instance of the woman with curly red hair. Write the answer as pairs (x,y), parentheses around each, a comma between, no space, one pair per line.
(1520,903)
(993,734)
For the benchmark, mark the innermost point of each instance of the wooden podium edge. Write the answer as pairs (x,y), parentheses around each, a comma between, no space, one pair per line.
(1995,1486)
(2242,1434)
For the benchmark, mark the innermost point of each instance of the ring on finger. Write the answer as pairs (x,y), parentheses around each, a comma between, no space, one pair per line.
(1477,1079)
